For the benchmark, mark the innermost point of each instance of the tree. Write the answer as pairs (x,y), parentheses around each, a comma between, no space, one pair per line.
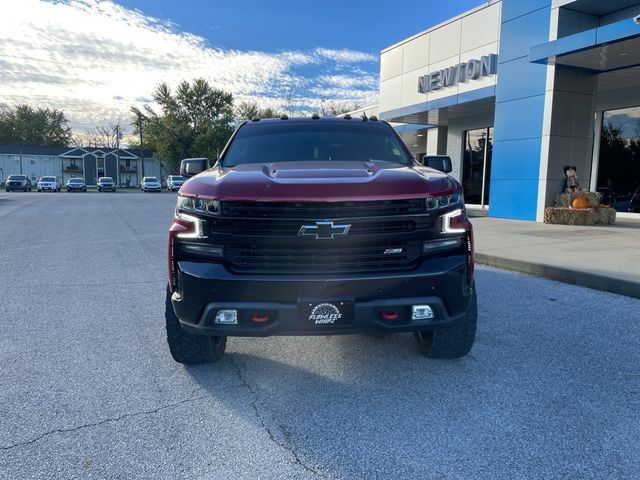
(248,110)
(101,137)
(42,127)
(195,121)
(334,109)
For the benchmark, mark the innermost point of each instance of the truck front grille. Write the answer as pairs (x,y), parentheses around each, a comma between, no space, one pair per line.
(323,259)
(274,228)
(321,210)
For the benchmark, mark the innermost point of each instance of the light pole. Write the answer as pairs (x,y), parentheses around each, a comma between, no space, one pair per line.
(140,130)
(118,154)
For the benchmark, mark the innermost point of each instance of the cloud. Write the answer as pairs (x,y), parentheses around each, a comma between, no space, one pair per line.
(365,81)
(346,55)
(94,59)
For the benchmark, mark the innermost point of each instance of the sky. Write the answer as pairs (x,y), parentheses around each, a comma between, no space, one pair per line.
(94,59)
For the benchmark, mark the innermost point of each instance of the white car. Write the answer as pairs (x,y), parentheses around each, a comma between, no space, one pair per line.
(174,182)
(48,183)
(150,184)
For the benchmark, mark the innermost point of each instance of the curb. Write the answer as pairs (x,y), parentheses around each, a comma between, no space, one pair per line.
(575,277)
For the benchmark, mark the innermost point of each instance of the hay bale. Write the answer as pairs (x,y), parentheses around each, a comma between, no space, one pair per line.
(587,216)
(564,200)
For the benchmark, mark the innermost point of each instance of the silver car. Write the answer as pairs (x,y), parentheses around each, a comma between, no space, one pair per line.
(174,182)
(150,184)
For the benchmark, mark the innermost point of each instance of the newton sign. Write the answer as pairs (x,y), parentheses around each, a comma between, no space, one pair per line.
(463,72)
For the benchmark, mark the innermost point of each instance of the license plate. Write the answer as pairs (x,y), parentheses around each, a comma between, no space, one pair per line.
(326,312)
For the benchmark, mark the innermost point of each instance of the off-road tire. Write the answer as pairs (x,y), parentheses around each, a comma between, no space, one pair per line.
(452,341)
(188,348)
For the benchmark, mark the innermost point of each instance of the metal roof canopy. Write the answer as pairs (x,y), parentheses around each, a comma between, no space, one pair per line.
(603,49)
(441,116)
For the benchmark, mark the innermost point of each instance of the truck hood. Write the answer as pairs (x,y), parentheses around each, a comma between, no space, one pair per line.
(320,181)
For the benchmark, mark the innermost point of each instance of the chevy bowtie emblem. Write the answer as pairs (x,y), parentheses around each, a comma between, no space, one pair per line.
(323,230)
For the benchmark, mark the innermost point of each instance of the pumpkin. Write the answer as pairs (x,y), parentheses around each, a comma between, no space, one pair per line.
(580,202)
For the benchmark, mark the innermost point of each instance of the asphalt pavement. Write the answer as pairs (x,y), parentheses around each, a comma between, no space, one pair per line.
(88,388)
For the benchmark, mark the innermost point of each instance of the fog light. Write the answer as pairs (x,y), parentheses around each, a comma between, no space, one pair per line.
(446,244)
(421,312)
(228,317)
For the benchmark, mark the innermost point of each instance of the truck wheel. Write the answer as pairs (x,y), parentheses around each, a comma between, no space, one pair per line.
(188,348)
(452,341)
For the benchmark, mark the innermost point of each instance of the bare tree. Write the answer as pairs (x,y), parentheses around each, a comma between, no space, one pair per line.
(335,108)
(101,137)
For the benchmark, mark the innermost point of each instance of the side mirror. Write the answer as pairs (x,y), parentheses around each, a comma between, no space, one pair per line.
(193,166)
(441,163)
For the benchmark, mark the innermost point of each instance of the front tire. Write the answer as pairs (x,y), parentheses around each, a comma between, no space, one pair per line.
(188,348)
(452,341)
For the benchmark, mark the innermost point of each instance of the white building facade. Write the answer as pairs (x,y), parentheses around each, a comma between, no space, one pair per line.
(125,166)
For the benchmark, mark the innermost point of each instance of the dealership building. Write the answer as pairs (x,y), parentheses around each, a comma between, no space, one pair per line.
(515,90)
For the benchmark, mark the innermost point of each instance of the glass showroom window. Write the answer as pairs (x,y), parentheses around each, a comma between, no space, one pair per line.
(476,165)
(619,161)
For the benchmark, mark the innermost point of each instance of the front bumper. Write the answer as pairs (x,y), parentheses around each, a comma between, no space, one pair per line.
(209,287)
(11,188)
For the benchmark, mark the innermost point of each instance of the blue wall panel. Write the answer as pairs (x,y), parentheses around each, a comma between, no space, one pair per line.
(519,111)
(512,168)
(523,33)
(517,119)
(520,78)
(519,198)
(516,8)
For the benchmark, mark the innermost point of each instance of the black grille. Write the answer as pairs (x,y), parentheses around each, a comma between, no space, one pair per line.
(323,259)
(272,228)
(319,210)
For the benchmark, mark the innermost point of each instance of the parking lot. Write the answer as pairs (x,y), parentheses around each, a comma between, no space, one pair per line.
(88,388)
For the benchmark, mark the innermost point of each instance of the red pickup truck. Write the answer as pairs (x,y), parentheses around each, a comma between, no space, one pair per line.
(318,226)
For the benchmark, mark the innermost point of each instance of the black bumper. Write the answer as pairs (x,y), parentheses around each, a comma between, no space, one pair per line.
(209,287)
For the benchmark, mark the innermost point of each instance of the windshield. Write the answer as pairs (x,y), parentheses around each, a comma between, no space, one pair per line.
(177,179)
(316,140)
(48,179)
(16,177)
(151,179)
(106,180)
(76,180)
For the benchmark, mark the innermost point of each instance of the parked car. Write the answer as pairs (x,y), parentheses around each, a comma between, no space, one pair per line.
(150,184)
(174,182)
(76,185)
(106,183)
(48,183)
(18,182)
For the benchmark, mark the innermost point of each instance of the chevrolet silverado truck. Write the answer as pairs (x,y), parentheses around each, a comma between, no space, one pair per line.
(318,226)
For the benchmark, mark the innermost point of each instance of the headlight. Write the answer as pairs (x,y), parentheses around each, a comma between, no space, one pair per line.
(199,205)
(443,201)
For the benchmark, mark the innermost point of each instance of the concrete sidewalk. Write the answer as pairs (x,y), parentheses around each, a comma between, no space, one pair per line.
(600,257)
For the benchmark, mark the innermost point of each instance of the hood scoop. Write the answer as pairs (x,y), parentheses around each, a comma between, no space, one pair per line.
(320,169)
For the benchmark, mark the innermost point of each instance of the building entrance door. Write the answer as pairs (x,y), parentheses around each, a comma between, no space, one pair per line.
(476,165)
(619,162)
